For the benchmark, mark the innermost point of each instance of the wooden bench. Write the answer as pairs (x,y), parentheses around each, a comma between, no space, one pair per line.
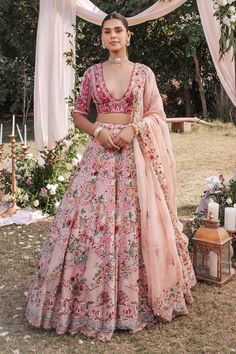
(183,124)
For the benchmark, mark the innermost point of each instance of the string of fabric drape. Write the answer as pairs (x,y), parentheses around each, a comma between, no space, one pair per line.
(91,13)
(225,67)
(54,79)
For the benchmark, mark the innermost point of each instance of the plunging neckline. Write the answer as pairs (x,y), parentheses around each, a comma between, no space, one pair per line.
(105,86)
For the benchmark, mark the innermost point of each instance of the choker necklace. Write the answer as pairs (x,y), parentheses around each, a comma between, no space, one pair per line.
(118,60)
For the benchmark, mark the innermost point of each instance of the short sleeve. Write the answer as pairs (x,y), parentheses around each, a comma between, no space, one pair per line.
(85,95)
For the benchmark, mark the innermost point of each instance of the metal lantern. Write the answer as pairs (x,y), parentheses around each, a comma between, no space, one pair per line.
(212,253)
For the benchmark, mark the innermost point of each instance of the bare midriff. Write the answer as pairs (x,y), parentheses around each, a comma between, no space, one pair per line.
(114,118)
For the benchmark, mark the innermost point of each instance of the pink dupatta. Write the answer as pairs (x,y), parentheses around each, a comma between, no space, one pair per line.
(164,246)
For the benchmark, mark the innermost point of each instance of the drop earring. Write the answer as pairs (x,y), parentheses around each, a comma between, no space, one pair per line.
(103,45)
(128,43)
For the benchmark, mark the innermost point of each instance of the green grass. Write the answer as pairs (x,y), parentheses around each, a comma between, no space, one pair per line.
(210,326)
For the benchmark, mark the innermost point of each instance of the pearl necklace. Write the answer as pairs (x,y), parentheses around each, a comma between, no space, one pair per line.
(118,60)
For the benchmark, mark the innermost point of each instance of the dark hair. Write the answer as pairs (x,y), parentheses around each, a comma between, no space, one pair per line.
(117,16)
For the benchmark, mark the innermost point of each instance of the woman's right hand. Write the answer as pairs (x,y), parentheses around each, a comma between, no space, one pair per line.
(105,140)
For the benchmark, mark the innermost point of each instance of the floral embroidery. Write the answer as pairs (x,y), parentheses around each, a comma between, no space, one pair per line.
(85,95)
(91,276)
(93,88)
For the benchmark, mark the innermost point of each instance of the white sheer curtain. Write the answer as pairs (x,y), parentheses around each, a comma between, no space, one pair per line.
(54,79)
(226,66)
(89,12)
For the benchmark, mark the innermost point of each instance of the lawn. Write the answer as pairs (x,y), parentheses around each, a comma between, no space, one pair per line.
(210,326)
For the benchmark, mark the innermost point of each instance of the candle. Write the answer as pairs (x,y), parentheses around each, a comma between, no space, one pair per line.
(229,219)
(13,124)
(1,131)
(213,264)
(25,134)
(214,209)
(21,139)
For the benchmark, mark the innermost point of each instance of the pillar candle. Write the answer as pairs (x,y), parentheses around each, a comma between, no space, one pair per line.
(25,134)
(214,209)
(13,124)
(21,139)
(229,219)
(1,131)
(213,264)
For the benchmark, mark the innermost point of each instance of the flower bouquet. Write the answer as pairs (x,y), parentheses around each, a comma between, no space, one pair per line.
(218,191)
(42,181)
(225,12)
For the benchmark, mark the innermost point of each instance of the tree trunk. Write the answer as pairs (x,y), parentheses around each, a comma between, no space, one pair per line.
(188,105)
(200,84)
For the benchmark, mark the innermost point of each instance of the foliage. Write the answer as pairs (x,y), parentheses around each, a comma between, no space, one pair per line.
(218,191)
(42,182)
(226,14)
(167,45)
(18,23)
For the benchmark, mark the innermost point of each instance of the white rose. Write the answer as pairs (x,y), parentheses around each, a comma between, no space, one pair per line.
(52,192)
(79,157)
(41,161)
(222,2)
(74,161)
(61,178)
(216,7)
(233,18)
(26,197)
(36,203)
(232,9)
(229,200)
(230,1)
(213,182)
(48,186)
(226,21)
(57,204)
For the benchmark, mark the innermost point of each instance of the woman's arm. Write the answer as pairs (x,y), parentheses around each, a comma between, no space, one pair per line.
(81,113)
(84,124)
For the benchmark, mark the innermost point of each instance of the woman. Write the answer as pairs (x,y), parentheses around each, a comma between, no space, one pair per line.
(115,256)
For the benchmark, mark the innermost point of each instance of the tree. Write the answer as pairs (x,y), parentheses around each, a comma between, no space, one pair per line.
(18,24)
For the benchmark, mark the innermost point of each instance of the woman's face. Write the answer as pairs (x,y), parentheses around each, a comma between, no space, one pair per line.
(114,35)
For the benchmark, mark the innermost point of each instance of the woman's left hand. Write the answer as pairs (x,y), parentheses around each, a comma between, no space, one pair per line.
(125,137)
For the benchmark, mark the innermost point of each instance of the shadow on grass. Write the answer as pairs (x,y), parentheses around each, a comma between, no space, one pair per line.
(187,210)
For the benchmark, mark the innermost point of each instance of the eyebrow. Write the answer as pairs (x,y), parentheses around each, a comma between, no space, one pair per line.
(108,28)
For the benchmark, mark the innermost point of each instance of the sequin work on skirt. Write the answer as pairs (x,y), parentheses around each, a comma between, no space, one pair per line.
(90,276)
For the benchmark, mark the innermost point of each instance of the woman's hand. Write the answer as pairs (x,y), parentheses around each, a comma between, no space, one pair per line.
(125,137)
(106,141)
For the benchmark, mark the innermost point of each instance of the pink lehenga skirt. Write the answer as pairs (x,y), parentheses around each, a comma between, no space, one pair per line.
(90,276)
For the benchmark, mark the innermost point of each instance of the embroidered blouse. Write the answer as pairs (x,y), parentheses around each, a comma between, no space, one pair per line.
(93,87)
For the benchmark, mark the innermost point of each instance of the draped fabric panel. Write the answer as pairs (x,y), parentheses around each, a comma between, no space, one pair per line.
(226,66)
(54,79)
(89,12)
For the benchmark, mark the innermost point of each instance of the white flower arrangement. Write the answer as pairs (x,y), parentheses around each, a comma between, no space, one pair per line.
(61,178)
(225,12)
(52,188)
(213,182)
(77,159)
(36,203)
(57,204)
